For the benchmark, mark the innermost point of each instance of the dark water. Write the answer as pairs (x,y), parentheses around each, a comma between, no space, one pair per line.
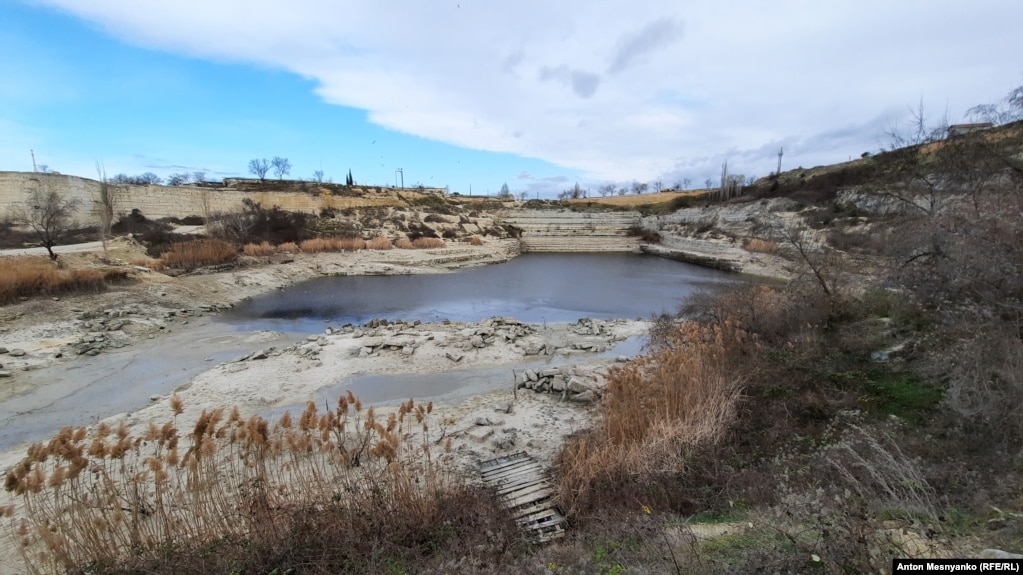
(535,288)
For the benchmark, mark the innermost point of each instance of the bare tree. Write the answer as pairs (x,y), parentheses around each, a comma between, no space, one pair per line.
(523,195)
(750,180)
(640,187)
(318,176)
(606,190)
(259,167)
(657,185)
(708,183)
(199,177)
(49,214)
(178,179)
(104,205)
(623,190)
(1009,109)
(281,167)
(686,182)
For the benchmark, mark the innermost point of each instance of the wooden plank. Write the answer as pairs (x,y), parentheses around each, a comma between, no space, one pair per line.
(528,498)
(523,491)
(521,482)
(536,507)
(543,518)
(493,464)
(535,473)
(524,466)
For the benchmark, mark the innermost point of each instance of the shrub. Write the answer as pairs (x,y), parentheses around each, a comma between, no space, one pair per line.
(404,244)
(350,244)
(288,248)
(476,241)
(645,234)
(260,249)
(378,243)
(428,243)
(761,246)
(198,253)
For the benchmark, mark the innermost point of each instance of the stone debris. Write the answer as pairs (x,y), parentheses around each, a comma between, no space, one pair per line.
(574,383)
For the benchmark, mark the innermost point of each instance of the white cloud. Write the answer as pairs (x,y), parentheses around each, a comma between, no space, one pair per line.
(622,90)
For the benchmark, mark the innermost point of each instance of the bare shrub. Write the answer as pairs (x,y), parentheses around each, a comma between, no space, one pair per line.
(260,249)
(428,243)
(198,253)
(476,241)
(350,244)
(288,248)
(379,243)
(404,244)
(759,246)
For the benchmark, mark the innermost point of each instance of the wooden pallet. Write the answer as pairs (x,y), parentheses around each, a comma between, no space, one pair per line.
(524,488)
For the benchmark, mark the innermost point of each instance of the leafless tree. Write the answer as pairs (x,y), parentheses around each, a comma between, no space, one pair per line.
(281,167)
(1009,109)
(259,167)
(657,186)
(318,176)
(199,177)
(606,190)
(48,214)
(104,204)
(686,182)
(640,187)
(708,183)
(178,179)
(523,195)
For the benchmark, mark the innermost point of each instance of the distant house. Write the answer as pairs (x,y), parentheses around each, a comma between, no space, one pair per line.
(963,129)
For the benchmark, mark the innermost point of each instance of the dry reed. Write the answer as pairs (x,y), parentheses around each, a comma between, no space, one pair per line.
(656,410)
(379,243)
(761,246)
(404,244)
(153,264)
(476,241)
(428,243)
(30,276)
(197,253)
(288,248)
(96,498)
(260,249)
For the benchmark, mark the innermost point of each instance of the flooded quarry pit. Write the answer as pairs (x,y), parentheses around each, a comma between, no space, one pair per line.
(538,289)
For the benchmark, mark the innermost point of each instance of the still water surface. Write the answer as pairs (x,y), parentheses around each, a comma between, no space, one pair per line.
(534,288)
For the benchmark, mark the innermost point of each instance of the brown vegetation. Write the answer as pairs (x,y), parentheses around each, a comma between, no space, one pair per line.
(760,246)
(339,491)
(378,243)
(29,276)
(197,253)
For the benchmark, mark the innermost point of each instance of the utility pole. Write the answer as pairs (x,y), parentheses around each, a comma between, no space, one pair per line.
(34,168)
(780,152)
(397,173)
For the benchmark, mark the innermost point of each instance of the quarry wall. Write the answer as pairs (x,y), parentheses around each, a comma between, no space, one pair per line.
(180,201)
(568,231)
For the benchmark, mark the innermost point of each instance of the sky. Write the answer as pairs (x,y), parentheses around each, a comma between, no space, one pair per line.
(473,94)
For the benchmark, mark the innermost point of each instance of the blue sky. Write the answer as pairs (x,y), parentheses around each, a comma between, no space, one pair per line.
(474,93)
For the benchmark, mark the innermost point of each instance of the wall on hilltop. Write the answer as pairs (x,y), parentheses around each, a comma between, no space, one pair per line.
(180,201)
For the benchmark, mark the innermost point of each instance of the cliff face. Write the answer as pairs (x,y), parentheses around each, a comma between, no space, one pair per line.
(181,201)
(568,231)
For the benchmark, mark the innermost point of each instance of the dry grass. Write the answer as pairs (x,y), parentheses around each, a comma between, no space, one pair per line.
(475,241)
(404,244)
(379,243)
(761,246)
(111,496)
(153,264)
(657,409)
(198,253)
(288,248)
(260,249)
(428,243)
(332,244)
(31,276)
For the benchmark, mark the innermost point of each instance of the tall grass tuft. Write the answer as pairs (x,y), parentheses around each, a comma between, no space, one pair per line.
(404,244)
(761,246)
(30,276)
(260,249)
(288,248)
(112,496)
(428,243)
(379,243)
(476,241)
(657,409)
(198,253)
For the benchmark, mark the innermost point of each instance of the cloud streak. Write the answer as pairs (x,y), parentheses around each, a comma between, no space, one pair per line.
(618,92)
